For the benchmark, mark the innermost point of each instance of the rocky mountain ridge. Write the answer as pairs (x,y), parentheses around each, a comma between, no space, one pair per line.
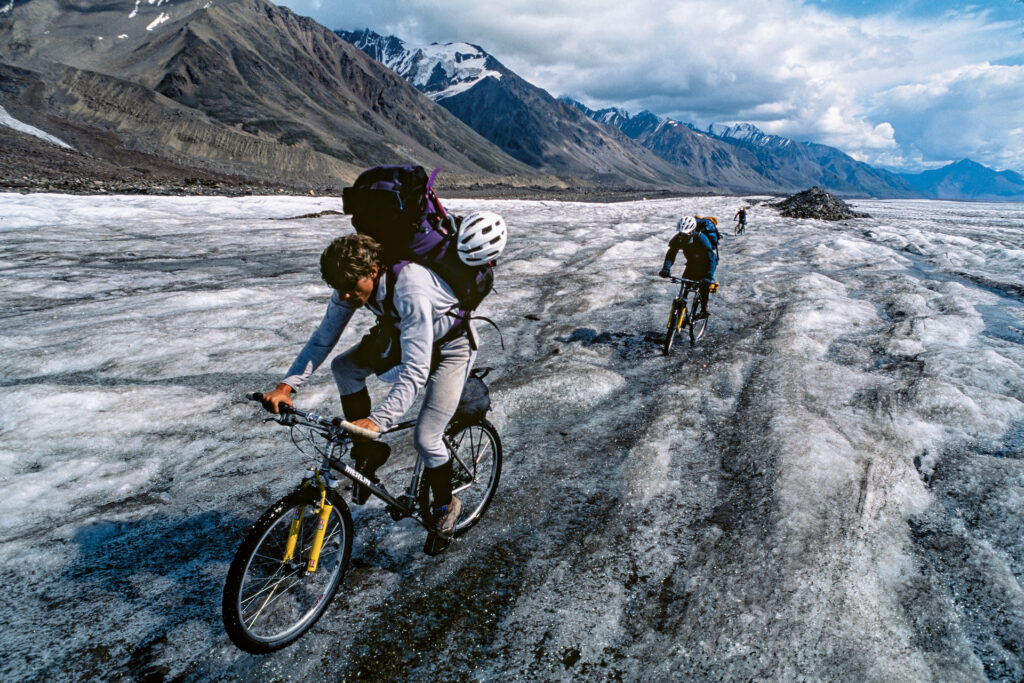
(744,159)
(703,156)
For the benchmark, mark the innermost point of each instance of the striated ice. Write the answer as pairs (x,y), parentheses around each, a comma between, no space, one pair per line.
(829,486)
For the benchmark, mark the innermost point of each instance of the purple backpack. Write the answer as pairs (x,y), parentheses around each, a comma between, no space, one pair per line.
(397,206)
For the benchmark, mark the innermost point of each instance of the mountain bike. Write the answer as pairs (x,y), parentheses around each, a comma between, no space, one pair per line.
(293,558)
(683,313)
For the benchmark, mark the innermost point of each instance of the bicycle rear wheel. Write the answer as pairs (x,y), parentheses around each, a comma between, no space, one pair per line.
(476,469)
(674,323)
(697,325)
(269,602)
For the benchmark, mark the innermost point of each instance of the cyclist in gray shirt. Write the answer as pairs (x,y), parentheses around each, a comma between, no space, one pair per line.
(434,357)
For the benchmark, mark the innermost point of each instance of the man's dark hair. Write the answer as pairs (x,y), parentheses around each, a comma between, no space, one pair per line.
(348,259)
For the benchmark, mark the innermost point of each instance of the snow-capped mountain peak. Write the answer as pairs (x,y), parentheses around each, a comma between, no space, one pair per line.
(747,132)
(454,67)
(438,70)
(613,116)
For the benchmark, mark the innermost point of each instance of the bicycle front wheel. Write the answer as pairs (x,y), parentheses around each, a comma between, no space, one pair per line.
(674,323)
(270,597)
(697,325)
(476,468)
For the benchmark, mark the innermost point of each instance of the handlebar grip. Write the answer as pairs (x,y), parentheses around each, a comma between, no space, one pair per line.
(358,431)
(282,408)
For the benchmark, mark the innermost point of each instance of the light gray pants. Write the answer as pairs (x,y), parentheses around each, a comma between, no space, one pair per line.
(440,395)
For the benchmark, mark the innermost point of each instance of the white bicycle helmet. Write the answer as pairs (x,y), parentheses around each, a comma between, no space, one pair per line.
(482,238)
(686,225)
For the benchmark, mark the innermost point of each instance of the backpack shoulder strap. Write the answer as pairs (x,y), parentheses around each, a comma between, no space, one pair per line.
(433,176)
(390,281)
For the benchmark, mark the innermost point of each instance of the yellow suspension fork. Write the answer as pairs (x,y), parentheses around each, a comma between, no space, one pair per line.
(679,320)
(293,534)
(295,528)
(321,529)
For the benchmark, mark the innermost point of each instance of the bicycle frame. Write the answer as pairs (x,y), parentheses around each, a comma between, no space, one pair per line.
(405,506)
(338,435)
(685,287)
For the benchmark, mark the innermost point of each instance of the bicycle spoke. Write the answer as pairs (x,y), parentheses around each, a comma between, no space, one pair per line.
(271,599)
(273,578)
(246,601)
(457,460)
(268,577)
(268,558)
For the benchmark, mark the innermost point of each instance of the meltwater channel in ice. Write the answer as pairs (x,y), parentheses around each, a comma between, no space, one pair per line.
(829,486)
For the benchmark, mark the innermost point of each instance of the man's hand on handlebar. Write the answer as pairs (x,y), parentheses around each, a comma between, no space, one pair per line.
(367,423)
(273,399)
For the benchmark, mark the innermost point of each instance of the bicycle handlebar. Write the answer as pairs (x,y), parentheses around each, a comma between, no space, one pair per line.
(286,409)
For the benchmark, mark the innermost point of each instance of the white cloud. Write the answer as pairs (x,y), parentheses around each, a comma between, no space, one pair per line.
(789,67)
(980,103)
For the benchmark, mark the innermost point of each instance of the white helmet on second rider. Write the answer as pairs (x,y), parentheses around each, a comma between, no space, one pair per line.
(482,238)
(686,225)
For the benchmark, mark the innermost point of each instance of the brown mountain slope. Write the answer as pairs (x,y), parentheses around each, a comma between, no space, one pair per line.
(229,86)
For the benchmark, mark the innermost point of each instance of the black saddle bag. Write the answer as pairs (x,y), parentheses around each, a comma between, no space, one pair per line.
(476,398)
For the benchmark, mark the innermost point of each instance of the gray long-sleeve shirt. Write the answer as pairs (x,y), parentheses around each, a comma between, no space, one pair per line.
(422,301)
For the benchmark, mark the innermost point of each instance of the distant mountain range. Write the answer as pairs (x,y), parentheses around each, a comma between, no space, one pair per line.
(246,89)
(744,159)
(967,179)
(522,119)
(532,126)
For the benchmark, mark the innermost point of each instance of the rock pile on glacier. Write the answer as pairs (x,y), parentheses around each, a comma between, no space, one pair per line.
(817,203)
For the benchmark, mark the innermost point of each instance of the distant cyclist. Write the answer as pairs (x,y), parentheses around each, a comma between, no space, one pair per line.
(701,258)
(741,220)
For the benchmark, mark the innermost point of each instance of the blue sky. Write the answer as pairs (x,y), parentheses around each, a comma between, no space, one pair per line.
(906,86)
